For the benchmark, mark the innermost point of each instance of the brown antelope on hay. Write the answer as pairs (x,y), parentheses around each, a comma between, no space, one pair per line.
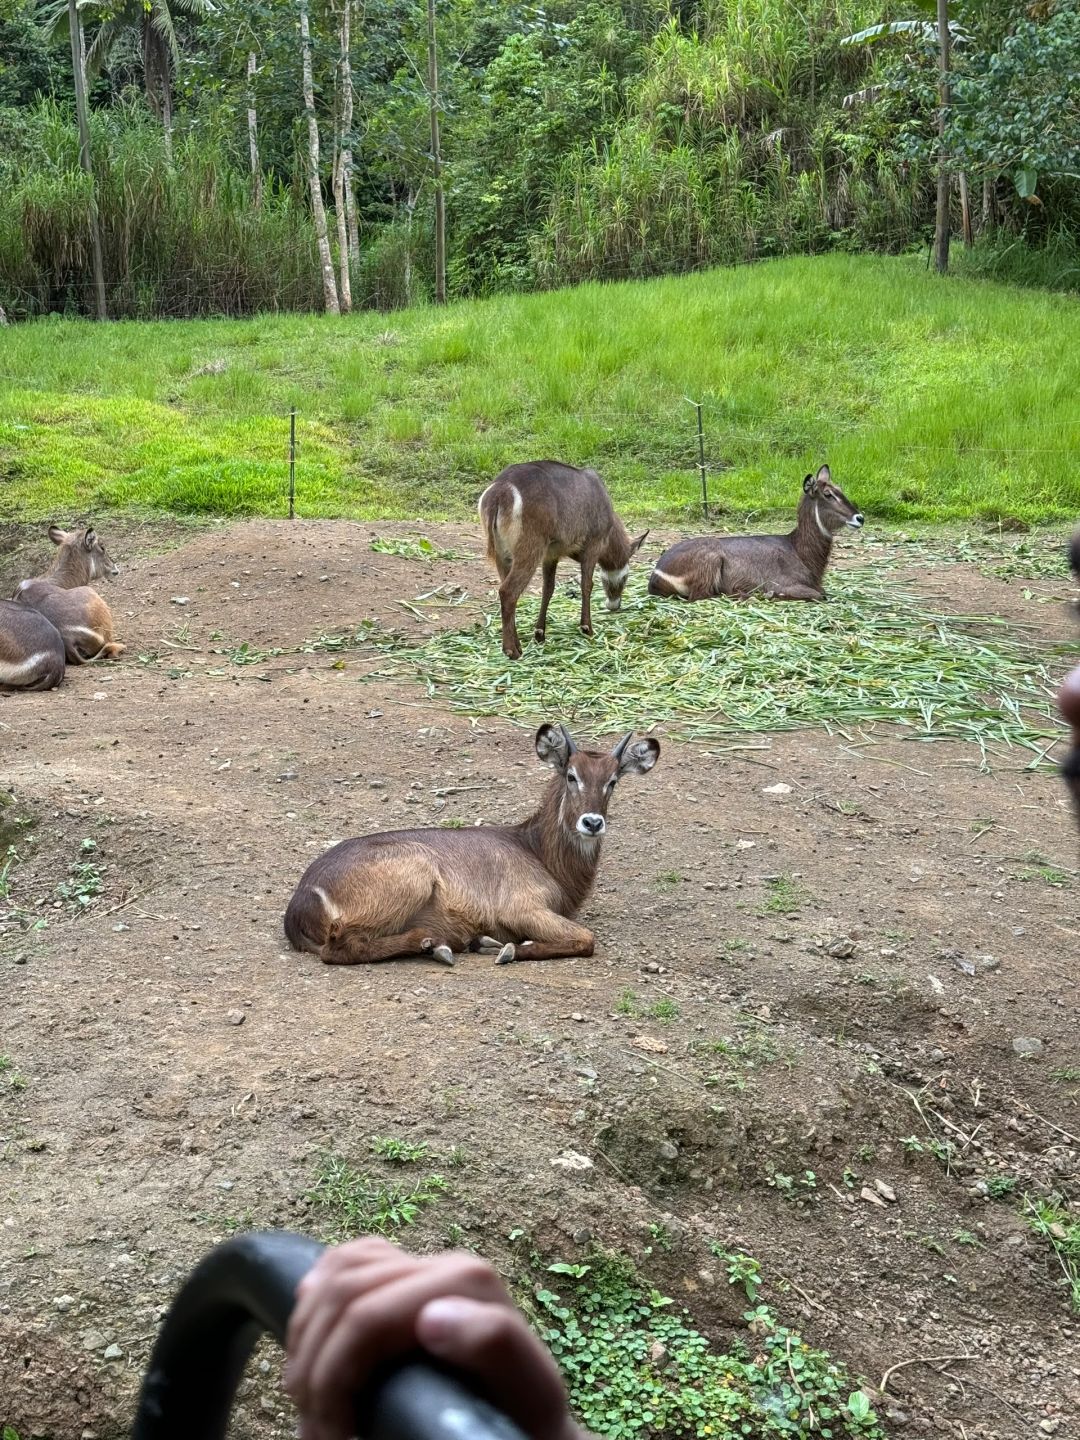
(64,596)
(539,513)
(510,888)
(31,650)
(1069,705)
(780,567)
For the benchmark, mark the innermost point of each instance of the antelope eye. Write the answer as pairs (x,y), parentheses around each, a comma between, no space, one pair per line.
(571,778)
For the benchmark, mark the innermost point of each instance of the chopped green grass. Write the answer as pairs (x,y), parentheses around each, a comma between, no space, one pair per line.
(1052,1220)
(931,400)
(716,669)
(355,1203)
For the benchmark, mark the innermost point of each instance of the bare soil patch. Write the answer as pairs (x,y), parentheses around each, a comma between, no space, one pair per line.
(799,967)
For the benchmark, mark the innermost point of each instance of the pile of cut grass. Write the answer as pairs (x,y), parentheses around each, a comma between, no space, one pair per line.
(718,670)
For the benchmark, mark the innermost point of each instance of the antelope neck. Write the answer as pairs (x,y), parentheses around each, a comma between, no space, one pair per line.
(571,863)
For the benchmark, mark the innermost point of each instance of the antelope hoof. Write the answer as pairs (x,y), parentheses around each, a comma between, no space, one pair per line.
(587,630)
(538,634)
(485,942)
(505,955)
(443,953)
(512,652)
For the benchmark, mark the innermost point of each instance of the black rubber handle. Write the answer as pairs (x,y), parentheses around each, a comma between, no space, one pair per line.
(245,1288)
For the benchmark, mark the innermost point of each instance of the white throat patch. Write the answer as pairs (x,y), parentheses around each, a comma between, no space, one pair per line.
(820,526)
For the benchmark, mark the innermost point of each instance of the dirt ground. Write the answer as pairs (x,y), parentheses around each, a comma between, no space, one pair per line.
(139,1122)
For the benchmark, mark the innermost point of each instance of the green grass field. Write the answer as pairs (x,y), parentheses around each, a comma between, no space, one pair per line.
(932,400)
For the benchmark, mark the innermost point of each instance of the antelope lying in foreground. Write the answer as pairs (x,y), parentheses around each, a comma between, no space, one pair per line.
(510,888)
(1069,705)
(537,514)
(779,567)
(65,598)
(31,649)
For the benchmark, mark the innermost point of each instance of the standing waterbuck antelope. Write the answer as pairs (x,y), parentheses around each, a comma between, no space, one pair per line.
(510,888)
(779,567)
(540,513)
(64,596)
(31,649)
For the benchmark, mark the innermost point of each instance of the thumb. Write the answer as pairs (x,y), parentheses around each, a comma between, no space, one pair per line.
(494,1347)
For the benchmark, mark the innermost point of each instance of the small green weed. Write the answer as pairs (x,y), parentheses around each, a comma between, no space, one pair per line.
(11,859)
(626,1003)
(1052,1220)
(359,1204)
(785,896)
(1039,868)
(967,1237)
(665,1010)
(1001,1185)
(742,1270)
(669,879)
(84,880)
(660,1235)
(401,1152)
(1068,1073)
(16,1080)
(603,1330)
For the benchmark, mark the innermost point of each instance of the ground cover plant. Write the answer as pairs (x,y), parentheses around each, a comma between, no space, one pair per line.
(706,671)
(930,403)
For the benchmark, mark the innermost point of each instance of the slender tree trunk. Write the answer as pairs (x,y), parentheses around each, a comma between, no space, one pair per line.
(253,133)
(167,115)
(78,67)
(318,210)
(987,203)
(436,159)
(965,210)
(941,230)
(346,127)
(343,117)
(410,207)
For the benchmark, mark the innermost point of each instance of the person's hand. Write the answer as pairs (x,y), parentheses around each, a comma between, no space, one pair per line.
(367,1303)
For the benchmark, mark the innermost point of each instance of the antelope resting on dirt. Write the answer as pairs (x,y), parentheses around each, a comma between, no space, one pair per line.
(31,649)
(537,514)
(1069,704)
(779,567)
(64,595)
(510,888)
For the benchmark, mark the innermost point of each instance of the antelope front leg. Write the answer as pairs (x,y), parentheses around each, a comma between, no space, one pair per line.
(556,938)
(588,564)
(545,598)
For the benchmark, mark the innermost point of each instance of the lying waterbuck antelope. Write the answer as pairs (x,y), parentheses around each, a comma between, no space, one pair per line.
(1069,704)
(780,567)
(31,649)
(64,596)
(539,513)
(510,888)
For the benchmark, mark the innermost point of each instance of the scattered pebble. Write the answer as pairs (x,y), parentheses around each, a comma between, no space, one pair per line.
(778,789)
(657,1352)
(577,1015)
(571,1160)
(885,1191)
(668,1150)
(63,1303)
(871,1197)
(114,1353)
(842,949)
(1027,1045)
(181,600)
(647,1042)
(93,1340)
(236,1017)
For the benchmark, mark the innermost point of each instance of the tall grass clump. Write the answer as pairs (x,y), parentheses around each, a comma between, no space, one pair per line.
(736,145)
(179,238)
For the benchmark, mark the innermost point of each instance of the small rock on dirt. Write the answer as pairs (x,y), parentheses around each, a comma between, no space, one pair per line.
(114,1353)
(871,1197)
(571,1160)
(181,600)
(885,1191)
(657,1352)
(93,1340)
(667,1150)
(778,789)
(1027,1045)
(63,1303)
(842,949)
(647,1042)
(236,1017)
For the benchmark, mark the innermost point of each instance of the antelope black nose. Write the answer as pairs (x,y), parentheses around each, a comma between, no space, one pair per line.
(591,824)
(857,521)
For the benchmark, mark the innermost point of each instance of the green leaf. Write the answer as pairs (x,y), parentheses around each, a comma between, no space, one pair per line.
(858,1404)
(1026,179)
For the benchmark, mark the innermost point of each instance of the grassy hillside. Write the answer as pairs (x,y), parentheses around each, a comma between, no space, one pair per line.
(931,400)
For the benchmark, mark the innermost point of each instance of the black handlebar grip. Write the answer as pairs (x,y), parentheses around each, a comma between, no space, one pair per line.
(246,1287)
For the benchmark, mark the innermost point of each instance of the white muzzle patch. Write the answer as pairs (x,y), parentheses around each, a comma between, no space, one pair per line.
(591,826)
(856,522)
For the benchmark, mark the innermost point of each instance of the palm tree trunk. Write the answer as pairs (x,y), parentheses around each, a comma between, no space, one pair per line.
(436,160)
(318,210)
(342,159)
(253,133)
(941,229)
(78,67)
(346,127)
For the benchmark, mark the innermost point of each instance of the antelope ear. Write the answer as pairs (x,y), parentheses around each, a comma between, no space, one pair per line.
(809,485)
(637,544)
(554,746)
(824,476)
(56,535)
(639,757)
(90,539)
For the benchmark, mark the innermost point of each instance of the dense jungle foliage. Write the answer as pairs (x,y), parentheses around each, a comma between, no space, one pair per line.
(579,141)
